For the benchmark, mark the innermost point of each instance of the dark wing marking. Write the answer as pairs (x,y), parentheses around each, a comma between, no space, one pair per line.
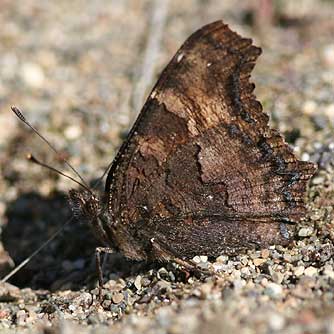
(203,144)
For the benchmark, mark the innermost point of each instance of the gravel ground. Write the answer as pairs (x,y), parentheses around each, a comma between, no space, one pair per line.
(80,71)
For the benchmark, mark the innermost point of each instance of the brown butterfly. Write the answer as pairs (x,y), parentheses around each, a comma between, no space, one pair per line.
(201,172)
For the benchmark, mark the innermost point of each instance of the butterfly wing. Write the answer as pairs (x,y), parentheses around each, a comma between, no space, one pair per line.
(201,170)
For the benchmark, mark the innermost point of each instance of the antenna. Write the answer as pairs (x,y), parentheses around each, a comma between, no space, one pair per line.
(20,115)
(32,159)
(103,175)
(24,262)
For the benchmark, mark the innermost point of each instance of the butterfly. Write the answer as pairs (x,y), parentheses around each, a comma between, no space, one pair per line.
(201,172)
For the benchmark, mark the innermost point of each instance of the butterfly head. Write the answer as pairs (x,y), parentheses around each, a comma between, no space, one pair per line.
(85,205)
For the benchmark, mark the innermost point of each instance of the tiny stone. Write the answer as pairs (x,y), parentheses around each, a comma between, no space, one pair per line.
(310,107)
(328,271)
(318,180)
(72,132)
(108,296)
(265,253)
(197,259)
(305,231)
(205,290)
(21,317)
(95,318)
(277,277)
(239,284)
(273,290)
(162,273)
(310,271)
(117,297)
(298,271)
(218,266)
(33,75)
(106,304)
(203,265)
(145,281)
(255,255)
(222,258)
(137,282)
(203,258)
(72,308)
(245,271)
(276,322)
(121,283)
(171,276)
(287,257)
(259,261)
(329,111)
(328,55)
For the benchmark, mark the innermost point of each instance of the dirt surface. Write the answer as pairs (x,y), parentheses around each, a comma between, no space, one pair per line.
(80,71)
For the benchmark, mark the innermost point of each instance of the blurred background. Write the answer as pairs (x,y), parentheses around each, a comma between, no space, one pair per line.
(80,71)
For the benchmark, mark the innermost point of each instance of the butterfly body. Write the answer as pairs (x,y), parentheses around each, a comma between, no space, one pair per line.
(201,172)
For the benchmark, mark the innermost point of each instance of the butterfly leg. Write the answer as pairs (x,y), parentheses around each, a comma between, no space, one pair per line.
(162,253)
(98,251)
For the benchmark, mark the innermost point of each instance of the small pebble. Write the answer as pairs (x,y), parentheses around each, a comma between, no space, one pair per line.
(137,282)
(72,307)
(265,253)
(239,284)
(277,277)
(203,258)
(298,271)
(328,271)
(287,257)
(274,290)
(305,231)
(259,261)
(311,271)
(222,258)
(205,290)
(329,111)
(117,297)
(72,132)
(21,317)
(197,259)
(106,304)
(328,55)
(276,322)
(310,107)
(33,75)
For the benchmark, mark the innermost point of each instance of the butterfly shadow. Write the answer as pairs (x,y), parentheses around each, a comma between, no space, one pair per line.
(68,261)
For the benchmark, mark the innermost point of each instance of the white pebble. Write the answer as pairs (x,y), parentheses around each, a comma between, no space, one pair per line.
(72,132)
(137,282)
(305,231)
(274,290)
(309,107)
(311,271)
(197,259)
(328,271)
(276,322)
(329,111)
(328,54)
(298,271)
(33,75)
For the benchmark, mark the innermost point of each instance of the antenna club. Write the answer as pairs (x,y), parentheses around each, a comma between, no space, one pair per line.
(18,113)
(31,158)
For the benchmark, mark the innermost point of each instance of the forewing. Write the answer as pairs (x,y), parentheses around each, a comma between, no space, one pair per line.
(202,145)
